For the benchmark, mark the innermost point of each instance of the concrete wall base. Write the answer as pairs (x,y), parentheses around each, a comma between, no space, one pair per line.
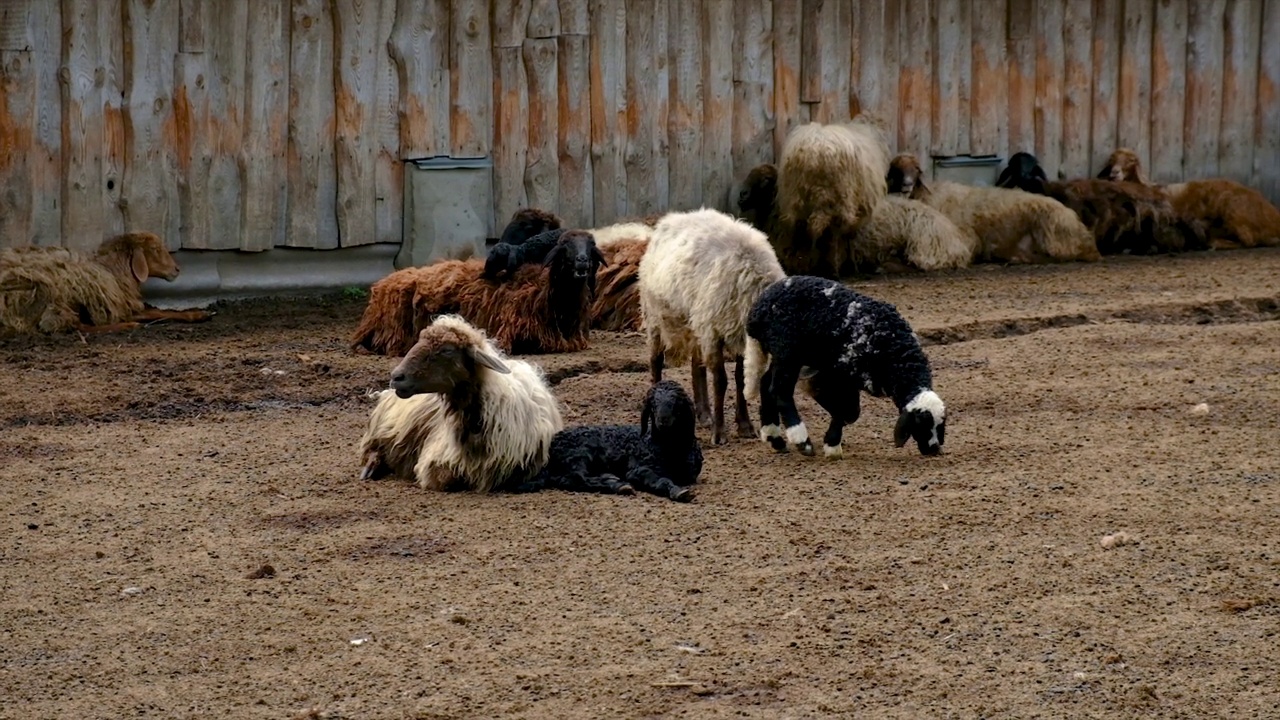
(211,275)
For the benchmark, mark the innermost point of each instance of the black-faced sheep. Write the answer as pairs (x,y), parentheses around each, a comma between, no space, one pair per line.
(661,456)
(460,415)
(52,290)
(1013,226)
(830,179)
(1124,217)
(840,343)
(1230,214)
(505,258)
(541,309)
(698,279)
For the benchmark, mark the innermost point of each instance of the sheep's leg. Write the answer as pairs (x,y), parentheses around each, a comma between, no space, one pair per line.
(783,388)
(721,386)
(770,428)
(741,415)
(840,416)
(606,483)
(113,327)
(186,316)
(650,481)
(698,370)
(657,355)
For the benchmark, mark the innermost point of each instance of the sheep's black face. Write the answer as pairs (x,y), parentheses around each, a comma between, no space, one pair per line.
(1023,172)
(924,420)
(575,255)
(670,412)
(759,191)
(498,261)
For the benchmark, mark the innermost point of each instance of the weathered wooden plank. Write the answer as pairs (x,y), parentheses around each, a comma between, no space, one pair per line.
(718,104)
(915,83)
(1266,171)
(149,197)
(227,48)
(608,93)
(1134,111)
(111,37)
(686,109)
(1022,77)
(355,28)
(544,20)
(1050,62)
(15,31)
(836,44)
(641,104)
(574,126)
(1168,80)
(193,147)
(1242,45)
(753,86)
(946,108)
(786,69)
(575,17)
(1203,123)
(470,78)
(45,27)
(312,199)
(17,145)
(989,97)
(511,133)
(662,102)
(419,47)
(1107,26)
(510,23)
(965,86)
(1077,107)
(811,37)
(541,170)
(191,24)
(388,171)
(877,43)
(265,152)
(82,127)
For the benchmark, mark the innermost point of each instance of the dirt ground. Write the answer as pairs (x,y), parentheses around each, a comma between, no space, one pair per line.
(148,477)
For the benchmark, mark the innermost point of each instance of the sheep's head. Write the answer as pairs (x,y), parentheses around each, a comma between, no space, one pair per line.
(498,261)
(575,256)
(142,253)
(668,409)
(759,193)
(923,419)
(906,178)
(448,354)
(1023,172)
(1123,166)
(527,222)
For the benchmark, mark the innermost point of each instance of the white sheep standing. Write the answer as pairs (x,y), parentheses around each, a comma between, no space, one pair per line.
(461,415)
(700,276)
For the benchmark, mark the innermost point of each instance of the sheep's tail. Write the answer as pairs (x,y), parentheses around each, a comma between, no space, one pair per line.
(754,361)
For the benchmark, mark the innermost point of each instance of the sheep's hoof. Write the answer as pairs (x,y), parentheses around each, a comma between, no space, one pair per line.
(704,418)
(624,489)
(718,438)
(806,448)
(832,452)
(682,494)
(778,444)
(746,429)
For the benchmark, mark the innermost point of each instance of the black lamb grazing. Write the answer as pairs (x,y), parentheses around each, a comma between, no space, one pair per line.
(528,222)
(661,456)
(504,259)
(841,343)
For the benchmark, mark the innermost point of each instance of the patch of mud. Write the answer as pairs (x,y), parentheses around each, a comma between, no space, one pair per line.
(405,548)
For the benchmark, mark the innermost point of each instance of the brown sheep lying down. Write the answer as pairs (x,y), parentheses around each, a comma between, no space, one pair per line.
(52,290)
(1232,215)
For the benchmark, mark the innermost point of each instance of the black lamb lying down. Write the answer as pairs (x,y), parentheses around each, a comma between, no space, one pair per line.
(840,343)
(528,222)
(661,456)
(505,258)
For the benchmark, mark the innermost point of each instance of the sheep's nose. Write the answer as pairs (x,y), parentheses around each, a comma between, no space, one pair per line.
(398,378)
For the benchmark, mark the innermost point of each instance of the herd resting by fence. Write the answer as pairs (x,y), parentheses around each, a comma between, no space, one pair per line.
(706,287)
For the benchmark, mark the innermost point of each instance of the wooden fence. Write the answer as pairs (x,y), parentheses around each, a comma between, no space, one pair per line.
(250,124)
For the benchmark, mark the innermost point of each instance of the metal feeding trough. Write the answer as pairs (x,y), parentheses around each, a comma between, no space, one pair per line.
(981,171)
(448,209)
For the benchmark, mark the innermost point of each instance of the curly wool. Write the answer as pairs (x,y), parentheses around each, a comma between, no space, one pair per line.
(505,258)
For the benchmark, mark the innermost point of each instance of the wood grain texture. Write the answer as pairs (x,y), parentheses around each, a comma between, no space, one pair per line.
(419,49)
(510,21)
(949,42)
(915,84)
(811,39)
(388,170)
(1266,171)
(45,162)
(312,200)
(150,199)
(356,45)
(753,88)
(575,17)
(786,69)
(1108,21)
(718,104)
(574,129)
(1203,120)
(227,48)
(608,93)
(194,148)
(541,171)
(544,20)
(1168,96)
(15,27)
(194,16)
(511,133)
(17,146)
(989,97)
(877,67)
(684,118)
(837,44)
(641,111)
(264,153)
(82,127)
(470,62)
(1022,77)
(1050,69)
(1077,90)
(111,36)
(1241,55)
(1134,111)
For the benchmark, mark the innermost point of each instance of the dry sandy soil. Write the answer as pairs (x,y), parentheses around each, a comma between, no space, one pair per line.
(148,477)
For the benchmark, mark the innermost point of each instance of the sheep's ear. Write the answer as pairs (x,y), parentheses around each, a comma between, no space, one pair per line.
(138,264)
(599,256)
(483,358)
(1105,173)
(646,412)
(554,255)
(902,431)
(1006,176)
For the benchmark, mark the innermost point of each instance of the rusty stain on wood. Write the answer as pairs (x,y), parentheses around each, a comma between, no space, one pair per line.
(1077,91)
(1168,83)
(989,100)
(541,176)
(1202,127)
(356,30)
(1050,60)
(1266,171)
(1107,22)
(1134,112)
